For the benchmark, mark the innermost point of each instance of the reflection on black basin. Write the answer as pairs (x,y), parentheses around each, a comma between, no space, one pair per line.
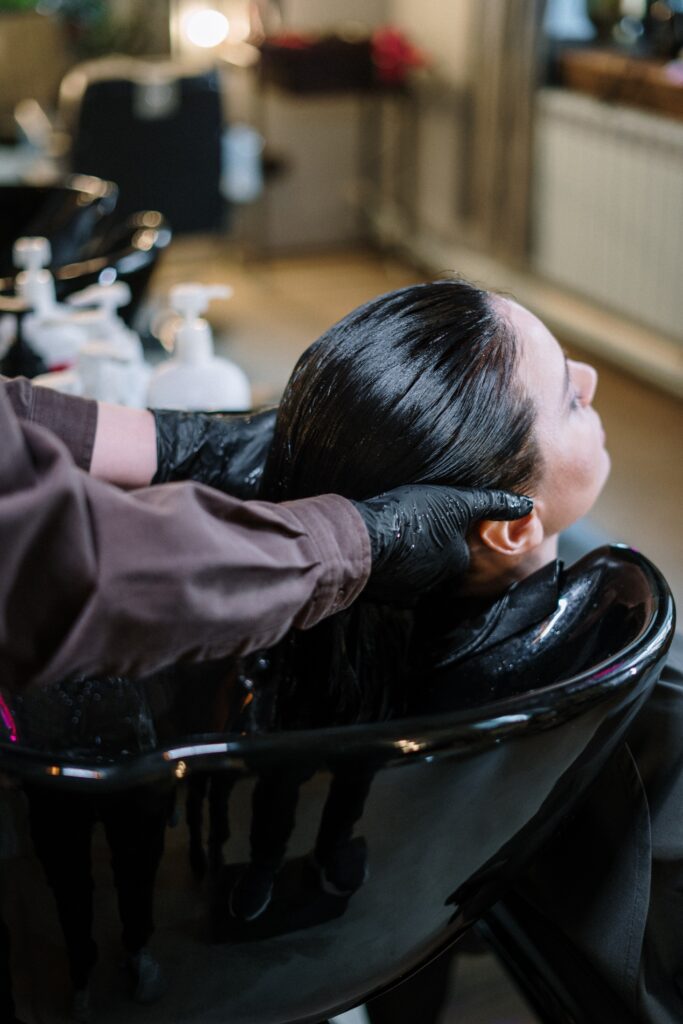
(388,839)
(90,242)
(66,214)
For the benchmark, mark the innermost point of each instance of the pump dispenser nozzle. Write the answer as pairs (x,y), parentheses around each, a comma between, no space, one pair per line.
(193,343)
(195,378)
(35,283)
(105,297)
(191,300)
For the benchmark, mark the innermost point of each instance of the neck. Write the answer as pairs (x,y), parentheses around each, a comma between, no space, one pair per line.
(491,573)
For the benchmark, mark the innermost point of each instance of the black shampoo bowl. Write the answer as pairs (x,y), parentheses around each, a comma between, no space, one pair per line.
(441,811)
(66,215)
(87,236)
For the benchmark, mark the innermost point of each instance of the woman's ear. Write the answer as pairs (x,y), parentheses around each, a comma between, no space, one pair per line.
(512,538)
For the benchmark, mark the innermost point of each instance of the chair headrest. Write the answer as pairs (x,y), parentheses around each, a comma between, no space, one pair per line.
(598,608)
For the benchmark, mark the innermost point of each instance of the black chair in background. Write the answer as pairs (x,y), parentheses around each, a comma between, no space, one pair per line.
(153,130)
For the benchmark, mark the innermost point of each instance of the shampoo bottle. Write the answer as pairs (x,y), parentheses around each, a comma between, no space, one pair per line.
(195,379)
(111,363)
(50,329)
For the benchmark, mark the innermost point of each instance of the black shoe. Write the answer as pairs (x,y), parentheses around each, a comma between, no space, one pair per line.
(252,892)
(80,1011)
(345,869)
(149,982)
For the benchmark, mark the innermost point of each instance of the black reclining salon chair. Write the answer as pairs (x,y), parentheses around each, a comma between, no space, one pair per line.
(453,806)
(89,241)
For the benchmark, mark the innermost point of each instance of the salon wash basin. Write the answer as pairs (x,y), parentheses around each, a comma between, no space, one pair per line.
(87,235)
(451,806)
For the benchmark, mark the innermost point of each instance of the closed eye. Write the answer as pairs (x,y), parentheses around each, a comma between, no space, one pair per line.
(570,396)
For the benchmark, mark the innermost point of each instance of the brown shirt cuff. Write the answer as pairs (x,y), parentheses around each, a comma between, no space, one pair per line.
(337,532)
(73,420)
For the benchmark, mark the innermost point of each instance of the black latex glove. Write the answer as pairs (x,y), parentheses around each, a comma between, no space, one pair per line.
(418,535)
(227,452)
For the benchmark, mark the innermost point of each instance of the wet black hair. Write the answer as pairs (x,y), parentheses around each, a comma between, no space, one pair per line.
(418,385)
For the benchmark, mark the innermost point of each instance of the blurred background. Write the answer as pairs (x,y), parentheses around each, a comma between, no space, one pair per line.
(314,153)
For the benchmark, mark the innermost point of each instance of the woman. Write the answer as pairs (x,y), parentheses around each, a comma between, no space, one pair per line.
(448,383)
(441,383)
(444,382)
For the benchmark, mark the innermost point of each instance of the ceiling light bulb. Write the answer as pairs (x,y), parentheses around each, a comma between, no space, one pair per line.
(206,28)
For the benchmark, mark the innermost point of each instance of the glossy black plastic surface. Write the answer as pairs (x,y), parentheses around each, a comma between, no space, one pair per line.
(432,817)
(130,246)
(87,236)
(169,159)
(65,214)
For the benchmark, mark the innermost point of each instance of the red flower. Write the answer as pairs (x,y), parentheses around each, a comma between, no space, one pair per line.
(393,56)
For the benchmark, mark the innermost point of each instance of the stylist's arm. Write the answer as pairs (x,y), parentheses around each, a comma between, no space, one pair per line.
(99,580)
(95,579)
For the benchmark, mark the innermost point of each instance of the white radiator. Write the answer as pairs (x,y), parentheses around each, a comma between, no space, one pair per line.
(608,216)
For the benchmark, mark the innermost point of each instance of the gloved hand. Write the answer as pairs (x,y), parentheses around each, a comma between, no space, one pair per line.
(227,452)
(418,535)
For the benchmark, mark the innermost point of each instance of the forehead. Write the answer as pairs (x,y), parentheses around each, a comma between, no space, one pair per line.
(541,360)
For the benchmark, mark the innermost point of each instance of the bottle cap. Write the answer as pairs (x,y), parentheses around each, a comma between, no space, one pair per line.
(35,283)
(190,300)
(105,297)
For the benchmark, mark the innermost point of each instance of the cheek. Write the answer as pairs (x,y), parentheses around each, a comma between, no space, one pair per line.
(575,475)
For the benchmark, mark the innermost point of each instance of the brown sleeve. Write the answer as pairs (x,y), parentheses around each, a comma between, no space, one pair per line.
(97,580)
(73,420)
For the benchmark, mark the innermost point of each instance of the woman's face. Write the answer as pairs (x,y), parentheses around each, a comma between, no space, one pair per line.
(575,463)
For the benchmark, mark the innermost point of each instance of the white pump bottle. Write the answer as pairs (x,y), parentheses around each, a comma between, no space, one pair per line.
(109,365)
(52,330)
(195,379)
(35,284)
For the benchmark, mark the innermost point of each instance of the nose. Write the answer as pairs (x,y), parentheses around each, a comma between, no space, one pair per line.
(585,381)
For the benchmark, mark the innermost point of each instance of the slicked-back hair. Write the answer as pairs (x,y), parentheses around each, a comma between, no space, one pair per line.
(416,386)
